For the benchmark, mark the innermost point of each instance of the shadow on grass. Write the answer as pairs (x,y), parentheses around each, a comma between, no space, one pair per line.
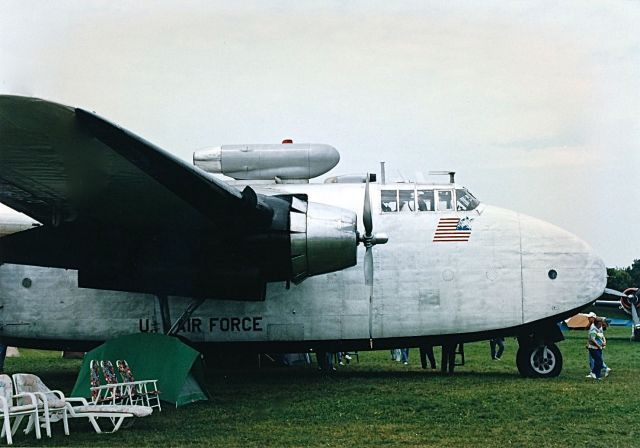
(310,375)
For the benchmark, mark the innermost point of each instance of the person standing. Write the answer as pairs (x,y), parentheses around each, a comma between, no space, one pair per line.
(595,345)
(607,369)
(3,355)
(404,356)
(496,355)
(448,359)
(592,318)
(426,351)
(325,361)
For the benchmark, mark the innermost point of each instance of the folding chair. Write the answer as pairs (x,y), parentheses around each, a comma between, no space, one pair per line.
(110,393)
(27,406)
(51,403)
(145,390)
(113,392)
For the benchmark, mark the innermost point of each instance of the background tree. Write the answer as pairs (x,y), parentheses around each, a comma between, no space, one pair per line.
(634,273)
(623,278)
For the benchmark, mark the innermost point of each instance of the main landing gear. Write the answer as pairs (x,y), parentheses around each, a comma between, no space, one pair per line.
(538,356)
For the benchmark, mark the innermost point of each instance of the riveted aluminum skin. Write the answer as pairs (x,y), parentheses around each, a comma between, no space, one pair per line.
(325,240)
(268,161)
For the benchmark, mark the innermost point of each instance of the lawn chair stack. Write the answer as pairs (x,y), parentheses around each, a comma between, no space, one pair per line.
(125,392)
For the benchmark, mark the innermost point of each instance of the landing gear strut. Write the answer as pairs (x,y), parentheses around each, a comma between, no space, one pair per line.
(167,328)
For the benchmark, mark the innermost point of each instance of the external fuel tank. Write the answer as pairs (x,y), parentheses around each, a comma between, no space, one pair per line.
(286,161)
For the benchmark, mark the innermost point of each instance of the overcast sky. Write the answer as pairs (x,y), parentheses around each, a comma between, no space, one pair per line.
(536,105)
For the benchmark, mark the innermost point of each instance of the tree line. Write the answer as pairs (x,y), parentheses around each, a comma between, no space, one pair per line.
(623,278)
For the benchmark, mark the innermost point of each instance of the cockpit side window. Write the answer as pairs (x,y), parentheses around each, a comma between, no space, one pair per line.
(465,200)
(425,201)
(407,201)
(445,200)
(389,200)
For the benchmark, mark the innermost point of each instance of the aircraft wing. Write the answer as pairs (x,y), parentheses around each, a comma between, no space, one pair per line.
(63,164)
(130,216)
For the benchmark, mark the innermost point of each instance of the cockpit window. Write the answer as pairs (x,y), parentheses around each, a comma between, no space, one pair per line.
(445,200)
(389,200)
(425,201)
(407,201)
(465,200)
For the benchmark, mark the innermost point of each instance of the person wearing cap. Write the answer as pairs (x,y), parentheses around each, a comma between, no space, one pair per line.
(595,345)
(592,318)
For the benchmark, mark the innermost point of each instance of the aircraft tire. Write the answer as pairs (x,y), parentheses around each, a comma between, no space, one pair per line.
(539,361)
(521,362)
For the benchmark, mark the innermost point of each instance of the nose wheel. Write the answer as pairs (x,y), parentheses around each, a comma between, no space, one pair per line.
(539,361)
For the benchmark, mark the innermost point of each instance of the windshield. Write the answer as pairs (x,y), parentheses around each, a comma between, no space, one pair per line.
(465,200)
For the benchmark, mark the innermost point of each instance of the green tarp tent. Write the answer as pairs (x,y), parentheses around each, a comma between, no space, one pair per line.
(177,367)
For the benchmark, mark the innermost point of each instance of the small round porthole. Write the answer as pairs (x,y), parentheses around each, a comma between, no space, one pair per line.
(553,274)
(26,282)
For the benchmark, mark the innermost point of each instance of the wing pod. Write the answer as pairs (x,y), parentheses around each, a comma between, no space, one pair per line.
(268,161)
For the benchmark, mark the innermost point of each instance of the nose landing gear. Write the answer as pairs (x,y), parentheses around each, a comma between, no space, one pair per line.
(538,360)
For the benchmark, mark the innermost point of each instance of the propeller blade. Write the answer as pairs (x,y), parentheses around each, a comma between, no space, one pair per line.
(368,267)
(613,292)
(634,315)
(366,212)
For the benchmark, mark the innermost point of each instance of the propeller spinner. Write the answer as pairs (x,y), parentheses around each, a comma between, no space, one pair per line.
(369,239)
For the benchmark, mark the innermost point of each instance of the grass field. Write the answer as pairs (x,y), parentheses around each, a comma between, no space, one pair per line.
(378,402)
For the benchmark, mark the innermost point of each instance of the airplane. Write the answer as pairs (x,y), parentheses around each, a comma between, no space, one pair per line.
(122,236)
(627,301)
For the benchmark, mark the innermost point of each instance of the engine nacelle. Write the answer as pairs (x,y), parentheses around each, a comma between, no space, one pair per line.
(296,161)
(323,239)
(303,239)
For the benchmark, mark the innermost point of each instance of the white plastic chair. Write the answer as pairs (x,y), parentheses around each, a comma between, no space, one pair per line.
(25,405)
(115,413)
(51,403)
(55,404)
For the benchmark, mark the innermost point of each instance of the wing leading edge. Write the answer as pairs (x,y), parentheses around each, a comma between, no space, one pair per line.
(130,216)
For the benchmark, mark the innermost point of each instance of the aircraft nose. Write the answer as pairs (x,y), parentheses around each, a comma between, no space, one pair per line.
(560,272)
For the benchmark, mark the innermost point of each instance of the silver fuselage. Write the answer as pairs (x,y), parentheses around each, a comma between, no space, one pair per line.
(498,279)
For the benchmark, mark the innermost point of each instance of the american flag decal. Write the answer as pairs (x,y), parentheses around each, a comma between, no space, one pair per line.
(452,230)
